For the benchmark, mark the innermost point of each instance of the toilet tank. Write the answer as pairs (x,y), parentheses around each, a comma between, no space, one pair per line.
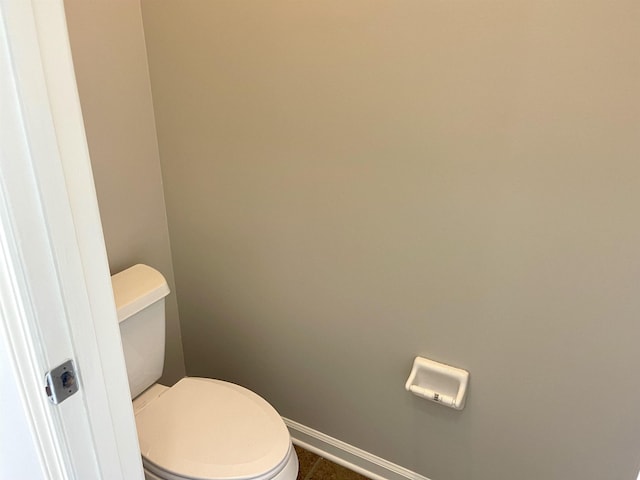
(139,293)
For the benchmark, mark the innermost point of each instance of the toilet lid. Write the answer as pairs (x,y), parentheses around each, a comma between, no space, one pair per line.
(209,429)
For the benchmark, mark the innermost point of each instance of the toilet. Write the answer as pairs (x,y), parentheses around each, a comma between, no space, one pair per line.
(200,428)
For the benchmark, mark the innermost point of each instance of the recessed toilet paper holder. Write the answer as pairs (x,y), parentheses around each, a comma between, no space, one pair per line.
(438,382)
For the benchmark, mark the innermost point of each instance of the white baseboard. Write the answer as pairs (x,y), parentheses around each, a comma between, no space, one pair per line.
(342,453)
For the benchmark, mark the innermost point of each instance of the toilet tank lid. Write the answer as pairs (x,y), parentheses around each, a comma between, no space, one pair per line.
(136,288)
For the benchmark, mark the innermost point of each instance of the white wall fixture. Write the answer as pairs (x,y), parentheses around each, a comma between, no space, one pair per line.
(438,382)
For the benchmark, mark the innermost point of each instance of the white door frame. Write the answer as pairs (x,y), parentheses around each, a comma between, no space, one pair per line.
(55,293)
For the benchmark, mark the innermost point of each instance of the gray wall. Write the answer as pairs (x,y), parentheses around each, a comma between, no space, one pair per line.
(353,183)
(109,57)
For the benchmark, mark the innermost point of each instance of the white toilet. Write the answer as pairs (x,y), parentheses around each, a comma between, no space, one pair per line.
(200,428)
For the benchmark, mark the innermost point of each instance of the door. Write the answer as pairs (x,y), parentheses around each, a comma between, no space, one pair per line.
(55,293)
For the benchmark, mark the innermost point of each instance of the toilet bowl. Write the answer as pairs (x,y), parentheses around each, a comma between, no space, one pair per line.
(200,428)
(209,429)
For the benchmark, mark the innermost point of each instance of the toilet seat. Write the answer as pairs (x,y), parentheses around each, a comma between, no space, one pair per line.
(209,429)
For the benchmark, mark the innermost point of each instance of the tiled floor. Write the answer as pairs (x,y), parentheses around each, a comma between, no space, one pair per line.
(314,467)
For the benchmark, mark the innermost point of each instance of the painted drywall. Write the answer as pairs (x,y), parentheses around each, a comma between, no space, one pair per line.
(351,183)
(109,57)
